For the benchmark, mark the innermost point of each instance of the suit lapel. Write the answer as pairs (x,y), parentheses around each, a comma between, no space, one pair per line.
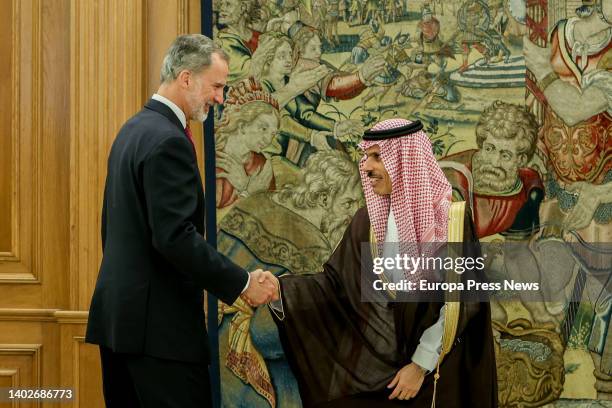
(164,110)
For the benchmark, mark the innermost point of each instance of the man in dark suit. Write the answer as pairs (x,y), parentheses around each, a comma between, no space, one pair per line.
(147,310)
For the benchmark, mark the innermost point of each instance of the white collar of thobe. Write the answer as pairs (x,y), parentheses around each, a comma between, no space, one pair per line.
(391,247)
(392,234)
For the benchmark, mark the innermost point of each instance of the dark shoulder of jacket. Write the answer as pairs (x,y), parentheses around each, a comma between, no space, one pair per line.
(146,130)
(156,125)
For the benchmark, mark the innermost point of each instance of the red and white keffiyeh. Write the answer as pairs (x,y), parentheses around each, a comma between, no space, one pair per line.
(420,196)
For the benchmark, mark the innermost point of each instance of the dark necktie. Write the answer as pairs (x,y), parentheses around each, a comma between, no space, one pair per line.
(190,136)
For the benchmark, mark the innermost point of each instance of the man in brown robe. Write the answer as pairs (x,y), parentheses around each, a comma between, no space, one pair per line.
(347,352)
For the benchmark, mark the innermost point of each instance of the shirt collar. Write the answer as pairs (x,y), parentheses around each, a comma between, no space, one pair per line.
(177,111)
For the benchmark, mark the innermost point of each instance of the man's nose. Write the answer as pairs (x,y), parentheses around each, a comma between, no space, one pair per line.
(219,97)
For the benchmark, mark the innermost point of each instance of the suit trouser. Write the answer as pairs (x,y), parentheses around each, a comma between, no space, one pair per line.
(139,381)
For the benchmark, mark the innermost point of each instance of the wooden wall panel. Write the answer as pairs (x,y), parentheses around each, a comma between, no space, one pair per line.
(165,20)
(24,359)
(89,383)
(24,327)
(21,368)
(80,365)
(7,89)
(53,170)
(107,87)
(36,185)
(73,71)
(9,378)
(18,249)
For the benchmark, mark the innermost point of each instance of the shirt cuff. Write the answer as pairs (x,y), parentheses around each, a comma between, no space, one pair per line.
(276,306)
(425,358)
(428,351)
(247,283)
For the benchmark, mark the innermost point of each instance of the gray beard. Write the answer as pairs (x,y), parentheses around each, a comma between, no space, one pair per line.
(199,116)
(489,184)
(491,178)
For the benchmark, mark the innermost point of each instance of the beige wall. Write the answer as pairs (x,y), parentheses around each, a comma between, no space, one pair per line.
(73,71)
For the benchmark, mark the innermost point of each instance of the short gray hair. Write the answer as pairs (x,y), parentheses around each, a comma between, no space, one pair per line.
(191,52)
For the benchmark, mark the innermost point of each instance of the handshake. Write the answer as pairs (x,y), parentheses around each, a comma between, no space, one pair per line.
(263,287)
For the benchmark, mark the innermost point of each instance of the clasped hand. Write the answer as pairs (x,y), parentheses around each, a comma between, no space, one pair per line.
(263,288)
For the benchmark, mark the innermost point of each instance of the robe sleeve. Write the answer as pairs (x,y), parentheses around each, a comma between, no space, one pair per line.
(322,325)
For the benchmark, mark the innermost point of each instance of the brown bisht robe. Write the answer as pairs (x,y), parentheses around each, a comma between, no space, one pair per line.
(344,352)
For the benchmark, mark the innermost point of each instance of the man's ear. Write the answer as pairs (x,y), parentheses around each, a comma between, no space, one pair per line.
(522,160)
(184,78)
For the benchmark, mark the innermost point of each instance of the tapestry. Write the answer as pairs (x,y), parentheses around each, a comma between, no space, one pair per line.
(516,97)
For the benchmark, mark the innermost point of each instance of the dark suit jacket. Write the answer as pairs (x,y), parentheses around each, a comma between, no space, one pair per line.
(149,294)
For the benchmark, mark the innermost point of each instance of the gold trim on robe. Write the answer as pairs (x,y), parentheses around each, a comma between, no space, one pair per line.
(456,215)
